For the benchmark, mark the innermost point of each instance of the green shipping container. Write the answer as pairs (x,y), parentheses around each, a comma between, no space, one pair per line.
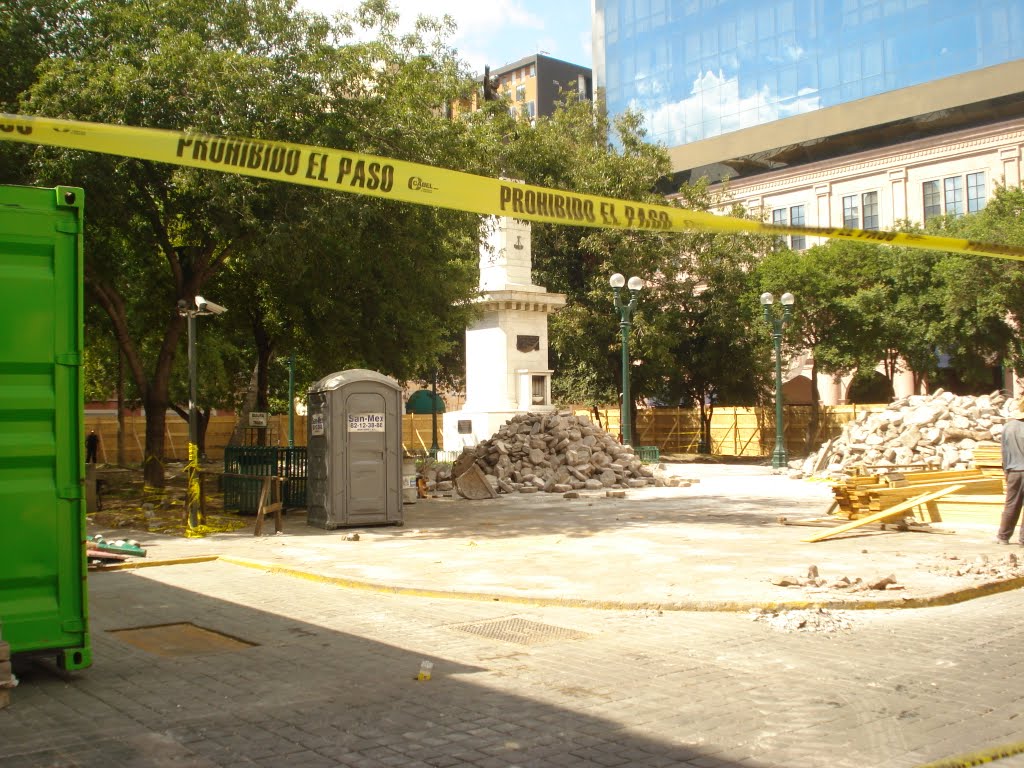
(43,595)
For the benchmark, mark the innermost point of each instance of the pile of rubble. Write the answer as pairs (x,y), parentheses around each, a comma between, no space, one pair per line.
(557,453)
(983,568)
(810,620)
(814,579)
(938,431)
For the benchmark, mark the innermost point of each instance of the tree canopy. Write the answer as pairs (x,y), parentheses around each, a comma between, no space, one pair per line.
(361,281)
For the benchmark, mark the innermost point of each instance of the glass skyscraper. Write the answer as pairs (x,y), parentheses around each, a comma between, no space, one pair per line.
(701,68)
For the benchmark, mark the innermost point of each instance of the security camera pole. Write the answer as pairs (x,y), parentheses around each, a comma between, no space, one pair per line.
(192,469)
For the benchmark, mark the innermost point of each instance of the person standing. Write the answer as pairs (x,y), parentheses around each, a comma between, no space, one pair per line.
(1013,468)
(92,444)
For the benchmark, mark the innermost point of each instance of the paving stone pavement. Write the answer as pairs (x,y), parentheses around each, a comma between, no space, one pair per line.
(330,681)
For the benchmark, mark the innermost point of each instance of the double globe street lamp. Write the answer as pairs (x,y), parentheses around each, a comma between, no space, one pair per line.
(778,323)
(625,309)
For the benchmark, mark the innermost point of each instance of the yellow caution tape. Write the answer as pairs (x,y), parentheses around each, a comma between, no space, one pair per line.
(983,757)
(426,185)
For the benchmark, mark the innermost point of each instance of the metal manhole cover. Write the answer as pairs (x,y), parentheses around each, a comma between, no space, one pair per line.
(184,639)
(521,631)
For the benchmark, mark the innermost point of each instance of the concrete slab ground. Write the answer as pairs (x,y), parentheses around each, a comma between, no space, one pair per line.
(715,545)
(211,664)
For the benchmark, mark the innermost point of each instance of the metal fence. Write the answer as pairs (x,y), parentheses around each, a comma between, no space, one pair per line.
(261,461)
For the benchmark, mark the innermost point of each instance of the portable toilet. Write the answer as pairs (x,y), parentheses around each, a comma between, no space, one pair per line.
(354,454)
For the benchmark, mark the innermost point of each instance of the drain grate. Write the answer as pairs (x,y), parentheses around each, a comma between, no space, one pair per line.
(521,631)
(183,639)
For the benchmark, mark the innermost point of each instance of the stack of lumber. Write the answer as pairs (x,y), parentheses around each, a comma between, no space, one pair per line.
(860,497)
(988,457)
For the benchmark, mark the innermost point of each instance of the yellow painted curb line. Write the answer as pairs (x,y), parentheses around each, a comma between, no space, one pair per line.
(724,606)
(978,758)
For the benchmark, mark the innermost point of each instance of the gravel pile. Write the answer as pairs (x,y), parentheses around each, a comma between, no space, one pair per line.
(558,453)
(937,432)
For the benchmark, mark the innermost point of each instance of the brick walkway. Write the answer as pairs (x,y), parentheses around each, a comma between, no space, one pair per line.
(330,682)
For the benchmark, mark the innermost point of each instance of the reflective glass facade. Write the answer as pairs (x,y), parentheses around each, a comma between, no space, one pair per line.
(699,68)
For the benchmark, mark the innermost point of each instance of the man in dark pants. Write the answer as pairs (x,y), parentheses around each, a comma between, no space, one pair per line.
(1013,467)
(92,444)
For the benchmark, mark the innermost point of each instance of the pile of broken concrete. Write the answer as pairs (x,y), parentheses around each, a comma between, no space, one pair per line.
(553,452)
(936,432)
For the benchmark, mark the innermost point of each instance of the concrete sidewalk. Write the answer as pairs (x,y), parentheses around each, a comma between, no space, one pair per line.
(716,545)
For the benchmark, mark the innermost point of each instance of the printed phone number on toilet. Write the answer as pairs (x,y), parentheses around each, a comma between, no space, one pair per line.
(366,422)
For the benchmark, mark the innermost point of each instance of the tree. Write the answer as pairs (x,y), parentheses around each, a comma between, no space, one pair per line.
(710,350)
(367,281)
(691,331)
(826,280)
(983,298)
(571,150)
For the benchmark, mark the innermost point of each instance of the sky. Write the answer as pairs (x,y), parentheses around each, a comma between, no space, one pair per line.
(498,32)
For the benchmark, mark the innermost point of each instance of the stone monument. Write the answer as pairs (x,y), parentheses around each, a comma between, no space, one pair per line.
(507,369)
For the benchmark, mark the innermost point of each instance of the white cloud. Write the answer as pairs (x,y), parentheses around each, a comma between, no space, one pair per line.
(715,100)
(484,28)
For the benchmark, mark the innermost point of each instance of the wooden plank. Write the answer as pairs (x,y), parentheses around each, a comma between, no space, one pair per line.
(908,504)
(271,488)
(978,481)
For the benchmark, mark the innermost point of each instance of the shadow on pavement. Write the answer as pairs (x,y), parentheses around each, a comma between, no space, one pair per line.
(305,694)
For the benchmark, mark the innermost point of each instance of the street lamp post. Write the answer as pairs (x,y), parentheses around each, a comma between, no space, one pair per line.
(291,401)
(778,323)
(203,307)
(625,323)
(434,449)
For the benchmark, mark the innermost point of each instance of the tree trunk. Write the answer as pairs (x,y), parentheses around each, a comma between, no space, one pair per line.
(265,353)
(248,405)
(155,386)
(120,408)
(812,424)
(153,456)
(706,413)
(203,419)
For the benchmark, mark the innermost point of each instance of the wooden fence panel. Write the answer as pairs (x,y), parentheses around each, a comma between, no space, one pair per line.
(735,431)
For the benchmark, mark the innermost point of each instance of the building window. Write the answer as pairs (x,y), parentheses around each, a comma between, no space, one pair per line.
(975,192)
(851,214)
(520,93)
(796,218)
(932,200)
(947,196)
(854,206)
(954,188)
(779,219)
(869,204)
(531,109)
(533,70)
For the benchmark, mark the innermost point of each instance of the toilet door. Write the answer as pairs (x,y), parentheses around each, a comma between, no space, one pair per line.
(366,477)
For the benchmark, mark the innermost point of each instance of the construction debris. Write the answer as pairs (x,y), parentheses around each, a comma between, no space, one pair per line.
(557,453)
(940,431)
(982,568)
(812,620)
(816,581)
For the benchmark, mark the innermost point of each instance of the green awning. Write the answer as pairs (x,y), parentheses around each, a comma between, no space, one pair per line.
(420,400)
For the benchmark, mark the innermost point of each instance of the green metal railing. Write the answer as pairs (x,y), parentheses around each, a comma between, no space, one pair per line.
(260,461)
(648,454)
